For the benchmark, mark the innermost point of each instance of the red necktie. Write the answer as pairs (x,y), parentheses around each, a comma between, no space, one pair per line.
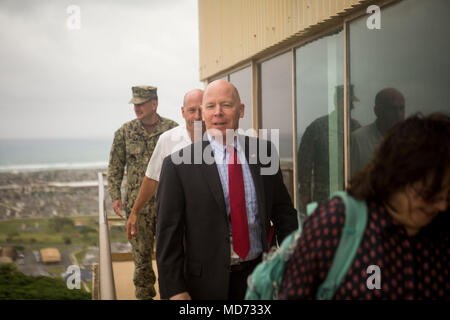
(238,211)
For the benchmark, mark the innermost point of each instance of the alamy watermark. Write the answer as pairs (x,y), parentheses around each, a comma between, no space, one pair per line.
(74,19)
(374,21)
(374,280)
(258,149)
(73,280)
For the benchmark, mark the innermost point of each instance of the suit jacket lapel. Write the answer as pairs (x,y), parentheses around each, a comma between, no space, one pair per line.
(211,175)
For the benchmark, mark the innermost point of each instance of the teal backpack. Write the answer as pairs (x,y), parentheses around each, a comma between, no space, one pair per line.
(265,281)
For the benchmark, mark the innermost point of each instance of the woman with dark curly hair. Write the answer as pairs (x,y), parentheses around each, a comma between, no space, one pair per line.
(407,235)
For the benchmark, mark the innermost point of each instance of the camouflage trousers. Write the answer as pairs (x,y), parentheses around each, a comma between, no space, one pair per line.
(143,243)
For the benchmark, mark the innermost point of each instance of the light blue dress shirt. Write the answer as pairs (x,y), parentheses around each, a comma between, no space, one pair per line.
(221,156)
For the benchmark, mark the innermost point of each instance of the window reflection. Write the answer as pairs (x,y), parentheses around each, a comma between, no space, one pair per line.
(389,109)
(320,129)
(399,70)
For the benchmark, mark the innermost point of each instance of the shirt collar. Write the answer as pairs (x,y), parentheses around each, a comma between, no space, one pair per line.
(221,150)
(185,131)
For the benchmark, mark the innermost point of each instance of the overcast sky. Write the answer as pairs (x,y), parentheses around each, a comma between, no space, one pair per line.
(57,82)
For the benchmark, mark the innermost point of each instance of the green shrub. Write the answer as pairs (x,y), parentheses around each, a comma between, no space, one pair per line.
(19,248)
(88,230)
(14,285)
(58,224)
(11,236)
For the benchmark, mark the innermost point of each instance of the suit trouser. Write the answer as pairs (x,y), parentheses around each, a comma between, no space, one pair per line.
(238,279)
(144,277)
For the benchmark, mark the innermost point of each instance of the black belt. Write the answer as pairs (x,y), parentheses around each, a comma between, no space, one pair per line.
(244,265)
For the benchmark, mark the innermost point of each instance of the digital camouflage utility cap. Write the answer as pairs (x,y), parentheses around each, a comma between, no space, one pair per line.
(143,94)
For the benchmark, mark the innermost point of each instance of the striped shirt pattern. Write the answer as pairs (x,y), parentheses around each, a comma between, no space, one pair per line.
(221,156)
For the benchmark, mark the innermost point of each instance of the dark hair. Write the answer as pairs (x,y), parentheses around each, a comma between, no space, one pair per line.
(411,151)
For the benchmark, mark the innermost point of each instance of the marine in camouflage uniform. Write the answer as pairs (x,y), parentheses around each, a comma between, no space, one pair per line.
(313,157)
(132,149)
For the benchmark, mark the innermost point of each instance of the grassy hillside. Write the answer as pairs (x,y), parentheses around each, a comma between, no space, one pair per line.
(14,285)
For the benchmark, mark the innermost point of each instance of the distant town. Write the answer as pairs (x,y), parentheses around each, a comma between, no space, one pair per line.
(48,194)
(49,221)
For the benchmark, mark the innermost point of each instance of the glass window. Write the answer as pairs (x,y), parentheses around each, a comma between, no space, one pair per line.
(398,70)
(276,100)
(242,80)
(276,110)
(319,104)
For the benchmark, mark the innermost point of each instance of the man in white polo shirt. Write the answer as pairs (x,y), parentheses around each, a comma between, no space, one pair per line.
(169,142)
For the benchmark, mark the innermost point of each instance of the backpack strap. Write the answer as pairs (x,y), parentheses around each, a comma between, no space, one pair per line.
(354,227)
(310,207)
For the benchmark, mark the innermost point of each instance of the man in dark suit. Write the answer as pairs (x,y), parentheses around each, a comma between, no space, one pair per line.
(214,211)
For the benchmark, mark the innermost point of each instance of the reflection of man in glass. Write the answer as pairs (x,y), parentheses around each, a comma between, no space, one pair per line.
(389,109)
(313,163)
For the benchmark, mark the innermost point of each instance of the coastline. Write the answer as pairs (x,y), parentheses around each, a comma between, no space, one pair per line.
(16,168)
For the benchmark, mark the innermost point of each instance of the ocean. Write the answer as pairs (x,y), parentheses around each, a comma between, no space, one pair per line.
(53,154)
(58,154)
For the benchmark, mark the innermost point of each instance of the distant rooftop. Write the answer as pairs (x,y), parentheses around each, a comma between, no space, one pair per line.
(49,255)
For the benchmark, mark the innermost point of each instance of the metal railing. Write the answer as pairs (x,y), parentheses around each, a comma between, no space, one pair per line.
(107,288)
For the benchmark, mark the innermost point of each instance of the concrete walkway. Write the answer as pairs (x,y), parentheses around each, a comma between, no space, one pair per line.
(123,279)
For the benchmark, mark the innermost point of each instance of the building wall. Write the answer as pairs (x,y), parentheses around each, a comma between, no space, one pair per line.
(317,83)
(232,31)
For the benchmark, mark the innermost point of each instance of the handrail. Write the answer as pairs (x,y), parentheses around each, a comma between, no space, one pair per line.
(107,286)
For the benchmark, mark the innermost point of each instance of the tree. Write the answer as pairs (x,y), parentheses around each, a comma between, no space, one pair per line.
(11,236)
(57,224)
